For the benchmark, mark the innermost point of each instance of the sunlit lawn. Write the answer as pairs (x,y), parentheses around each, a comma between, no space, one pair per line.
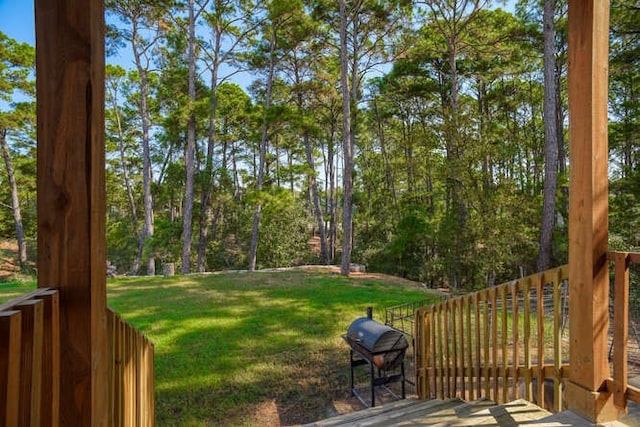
(230,345)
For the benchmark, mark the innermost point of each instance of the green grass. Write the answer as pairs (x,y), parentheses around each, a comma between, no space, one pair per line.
(252,348)
(14,289)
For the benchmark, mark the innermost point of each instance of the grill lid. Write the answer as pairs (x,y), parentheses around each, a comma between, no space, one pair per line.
(376,337)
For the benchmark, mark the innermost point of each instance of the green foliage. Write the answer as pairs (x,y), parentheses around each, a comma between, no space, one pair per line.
(625,211)
(166,244)
(17,137)
(284,231)
(447,193)
(17,62)
(122,244)
(230,247)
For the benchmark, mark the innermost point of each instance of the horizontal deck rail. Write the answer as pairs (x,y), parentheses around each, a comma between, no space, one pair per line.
(502,343)
(30,365)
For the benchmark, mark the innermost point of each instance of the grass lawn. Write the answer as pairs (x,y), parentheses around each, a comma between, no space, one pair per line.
(251,349)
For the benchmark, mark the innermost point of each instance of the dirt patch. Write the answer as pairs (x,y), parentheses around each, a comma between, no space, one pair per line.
(268,414)
(334,269)
(10,269)
(8,259)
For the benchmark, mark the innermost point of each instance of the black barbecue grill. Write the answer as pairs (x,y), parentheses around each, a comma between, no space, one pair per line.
(380,347)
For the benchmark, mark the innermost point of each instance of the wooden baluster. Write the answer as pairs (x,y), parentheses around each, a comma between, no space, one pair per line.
(31,362)
(440,351)
(540,282)
(527,339)
(557,341)
(515,337)
(469,360)
(487,349)
(10,346)
(478,359)
(621,329)
(50,398)
(504,351)
(453,344)
(494,342)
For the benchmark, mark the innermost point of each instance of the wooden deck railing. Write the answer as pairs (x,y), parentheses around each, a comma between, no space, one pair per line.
(486,345)
(502,343)
(30,365)
(132,386)
(622,391)
(30,360)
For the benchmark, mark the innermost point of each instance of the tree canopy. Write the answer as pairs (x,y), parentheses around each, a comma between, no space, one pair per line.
(410,137)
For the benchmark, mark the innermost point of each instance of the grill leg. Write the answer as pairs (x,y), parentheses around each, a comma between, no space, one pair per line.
(373,386)
(402,379)
(351,364)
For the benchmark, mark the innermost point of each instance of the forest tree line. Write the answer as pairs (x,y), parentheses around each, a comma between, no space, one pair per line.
(425,139)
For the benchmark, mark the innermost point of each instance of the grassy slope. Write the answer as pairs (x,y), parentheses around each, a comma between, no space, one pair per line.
(228,346)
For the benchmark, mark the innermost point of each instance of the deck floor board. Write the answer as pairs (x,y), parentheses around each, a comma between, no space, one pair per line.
(455,412)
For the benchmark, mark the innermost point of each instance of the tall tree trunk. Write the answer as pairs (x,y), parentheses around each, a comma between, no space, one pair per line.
(125,170)
(292,175)
(255,230)
(236,174)
(207,193)
(147,177)
(190,153)
(113,89)
(313,182)
(388,170)
(347,179)
(333,203)
(15,202)
(317,209)
(551,140)
(127,182)
(452,18)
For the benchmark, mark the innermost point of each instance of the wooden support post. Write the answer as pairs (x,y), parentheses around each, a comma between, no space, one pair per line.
(71,197)
(588,210)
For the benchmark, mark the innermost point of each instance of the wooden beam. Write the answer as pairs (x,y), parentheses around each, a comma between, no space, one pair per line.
(588,209)
(71,196)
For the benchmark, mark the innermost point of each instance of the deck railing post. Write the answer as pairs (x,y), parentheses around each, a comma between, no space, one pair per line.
(588,210)
(70,37)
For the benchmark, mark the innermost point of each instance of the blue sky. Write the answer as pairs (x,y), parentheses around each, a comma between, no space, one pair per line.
(17,20)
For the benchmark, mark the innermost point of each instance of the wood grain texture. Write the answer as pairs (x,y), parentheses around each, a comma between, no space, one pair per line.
(71,196)
(588,208)
(588,204)
(131,393)
(30,362)
(10,344)
(621,330)
(50,399)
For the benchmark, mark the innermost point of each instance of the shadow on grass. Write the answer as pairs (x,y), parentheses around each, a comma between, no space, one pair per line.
(250,349)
